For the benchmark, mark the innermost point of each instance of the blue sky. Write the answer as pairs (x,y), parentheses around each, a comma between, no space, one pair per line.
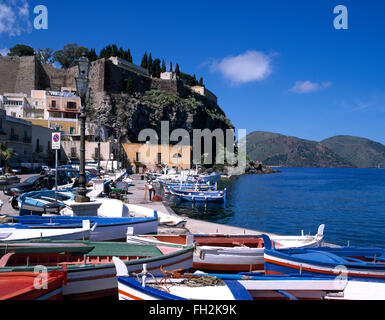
(277,66)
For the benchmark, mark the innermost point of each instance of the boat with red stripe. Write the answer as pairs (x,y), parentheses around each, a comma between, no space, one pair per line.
(90,269)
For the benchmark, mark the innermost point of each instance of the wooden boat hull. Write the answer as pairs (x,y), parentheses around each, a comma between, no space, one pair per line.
(352,263)
(96,282)
(10,234)
(223,286)
(228,253)
(96,277)
(107,229)
(26,286)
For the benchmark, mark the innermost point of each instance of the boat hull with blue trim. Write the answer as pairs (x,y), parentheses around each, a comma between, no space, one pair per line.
(43,202)
(351,262)
(201,286)
(105,229)
(200,196)
(229,253)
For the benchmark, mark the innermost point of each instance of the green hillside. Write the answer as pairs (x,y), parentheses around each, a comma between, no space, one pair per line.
(363,153)
(279,150)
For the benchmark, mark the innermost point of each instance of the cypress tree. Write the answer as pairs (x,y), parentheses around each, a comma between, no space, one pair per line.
(121,53)
(201,82)
(108,51)
(156,69)
(164,69)
(128,55)
(171,70)
(144,63)
(177,71)
(114,50)
(102,53)
(149,64)
(92,55)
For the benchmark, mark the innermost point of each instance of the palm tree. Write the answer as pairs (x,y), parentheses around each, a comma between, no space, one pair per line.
(6,154)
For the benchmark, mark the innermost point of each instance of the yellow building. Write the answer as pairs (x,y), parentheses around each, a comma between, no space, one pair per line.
(152,156)
(56,110)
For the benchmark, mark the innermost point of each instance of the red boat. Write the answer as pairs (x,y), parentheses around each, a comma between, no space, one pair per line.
(31,285)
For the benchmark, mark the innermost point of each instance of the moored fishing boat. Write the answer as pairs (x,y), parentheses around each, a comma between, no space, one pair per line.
(230,253)
(90,270)
(353,262)
(200,196)
(109,208)
(174,286)
(31,285)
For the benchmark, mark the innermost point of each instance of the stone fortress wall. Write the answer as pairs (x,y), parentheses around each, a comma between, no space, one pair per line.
(23,74)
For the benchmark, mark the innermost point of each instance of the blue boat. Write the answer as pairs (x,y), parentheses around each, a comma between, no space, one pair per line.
(200,196)
(43,202)
(364,264)
(104,229)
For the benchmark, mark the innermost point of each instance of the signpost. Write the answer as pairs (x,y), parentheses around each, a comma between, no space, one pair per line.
(56,138)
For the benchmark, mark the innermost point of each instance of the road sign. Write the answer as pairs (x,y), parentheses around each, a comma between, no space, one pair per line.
(56,137)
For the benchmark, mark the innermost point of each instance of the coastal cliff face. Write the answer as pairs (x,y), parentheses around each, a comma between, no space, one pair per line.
(125,115)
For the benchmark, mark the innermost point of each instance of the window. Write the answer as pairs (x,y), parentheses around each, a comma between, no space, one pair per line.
(53,104)
(71,105)
(72,130)
(13,114)
(159,157)
(37,145)
(137,156)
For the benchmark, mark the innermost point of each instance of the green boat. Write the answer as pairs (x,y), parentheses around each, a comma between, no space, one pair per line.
(89,268)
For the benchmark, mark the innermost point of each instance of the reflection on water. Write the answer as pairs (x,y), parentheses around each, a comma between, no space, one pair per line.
(350,202)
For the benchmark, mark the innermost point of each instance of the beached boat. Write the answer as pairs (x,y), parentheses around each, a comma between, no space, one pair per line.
(173,286)
(200,196)
(229,253)
(45,230)
(104,229)
(89,267)
(164,218)
(353,262)
(43,201)
(32,285)
(33,204)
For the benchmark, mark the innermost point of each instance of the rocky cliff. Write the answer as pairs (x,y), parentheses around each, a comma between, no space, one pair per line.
(126,115)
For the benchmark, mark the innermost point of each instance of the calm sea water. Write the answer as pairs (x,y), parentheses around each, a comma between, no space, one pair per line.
(350,202)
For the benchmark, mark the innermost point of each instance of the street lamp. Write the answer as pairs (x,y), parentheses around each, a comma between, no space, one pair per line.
(99,138)
(83,91)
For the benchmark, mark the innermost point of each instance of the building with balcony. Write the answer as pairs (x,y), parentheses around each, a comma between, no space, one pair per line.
(57,110)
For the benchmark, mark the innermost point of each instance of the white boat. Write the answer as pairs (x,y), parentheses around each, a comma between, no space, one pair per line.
(52,231)
(164,218)
(200,286)
(230,253)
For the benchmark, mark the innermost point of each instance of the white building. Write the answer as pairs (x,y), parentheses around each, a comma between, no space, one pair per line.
(14,104)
